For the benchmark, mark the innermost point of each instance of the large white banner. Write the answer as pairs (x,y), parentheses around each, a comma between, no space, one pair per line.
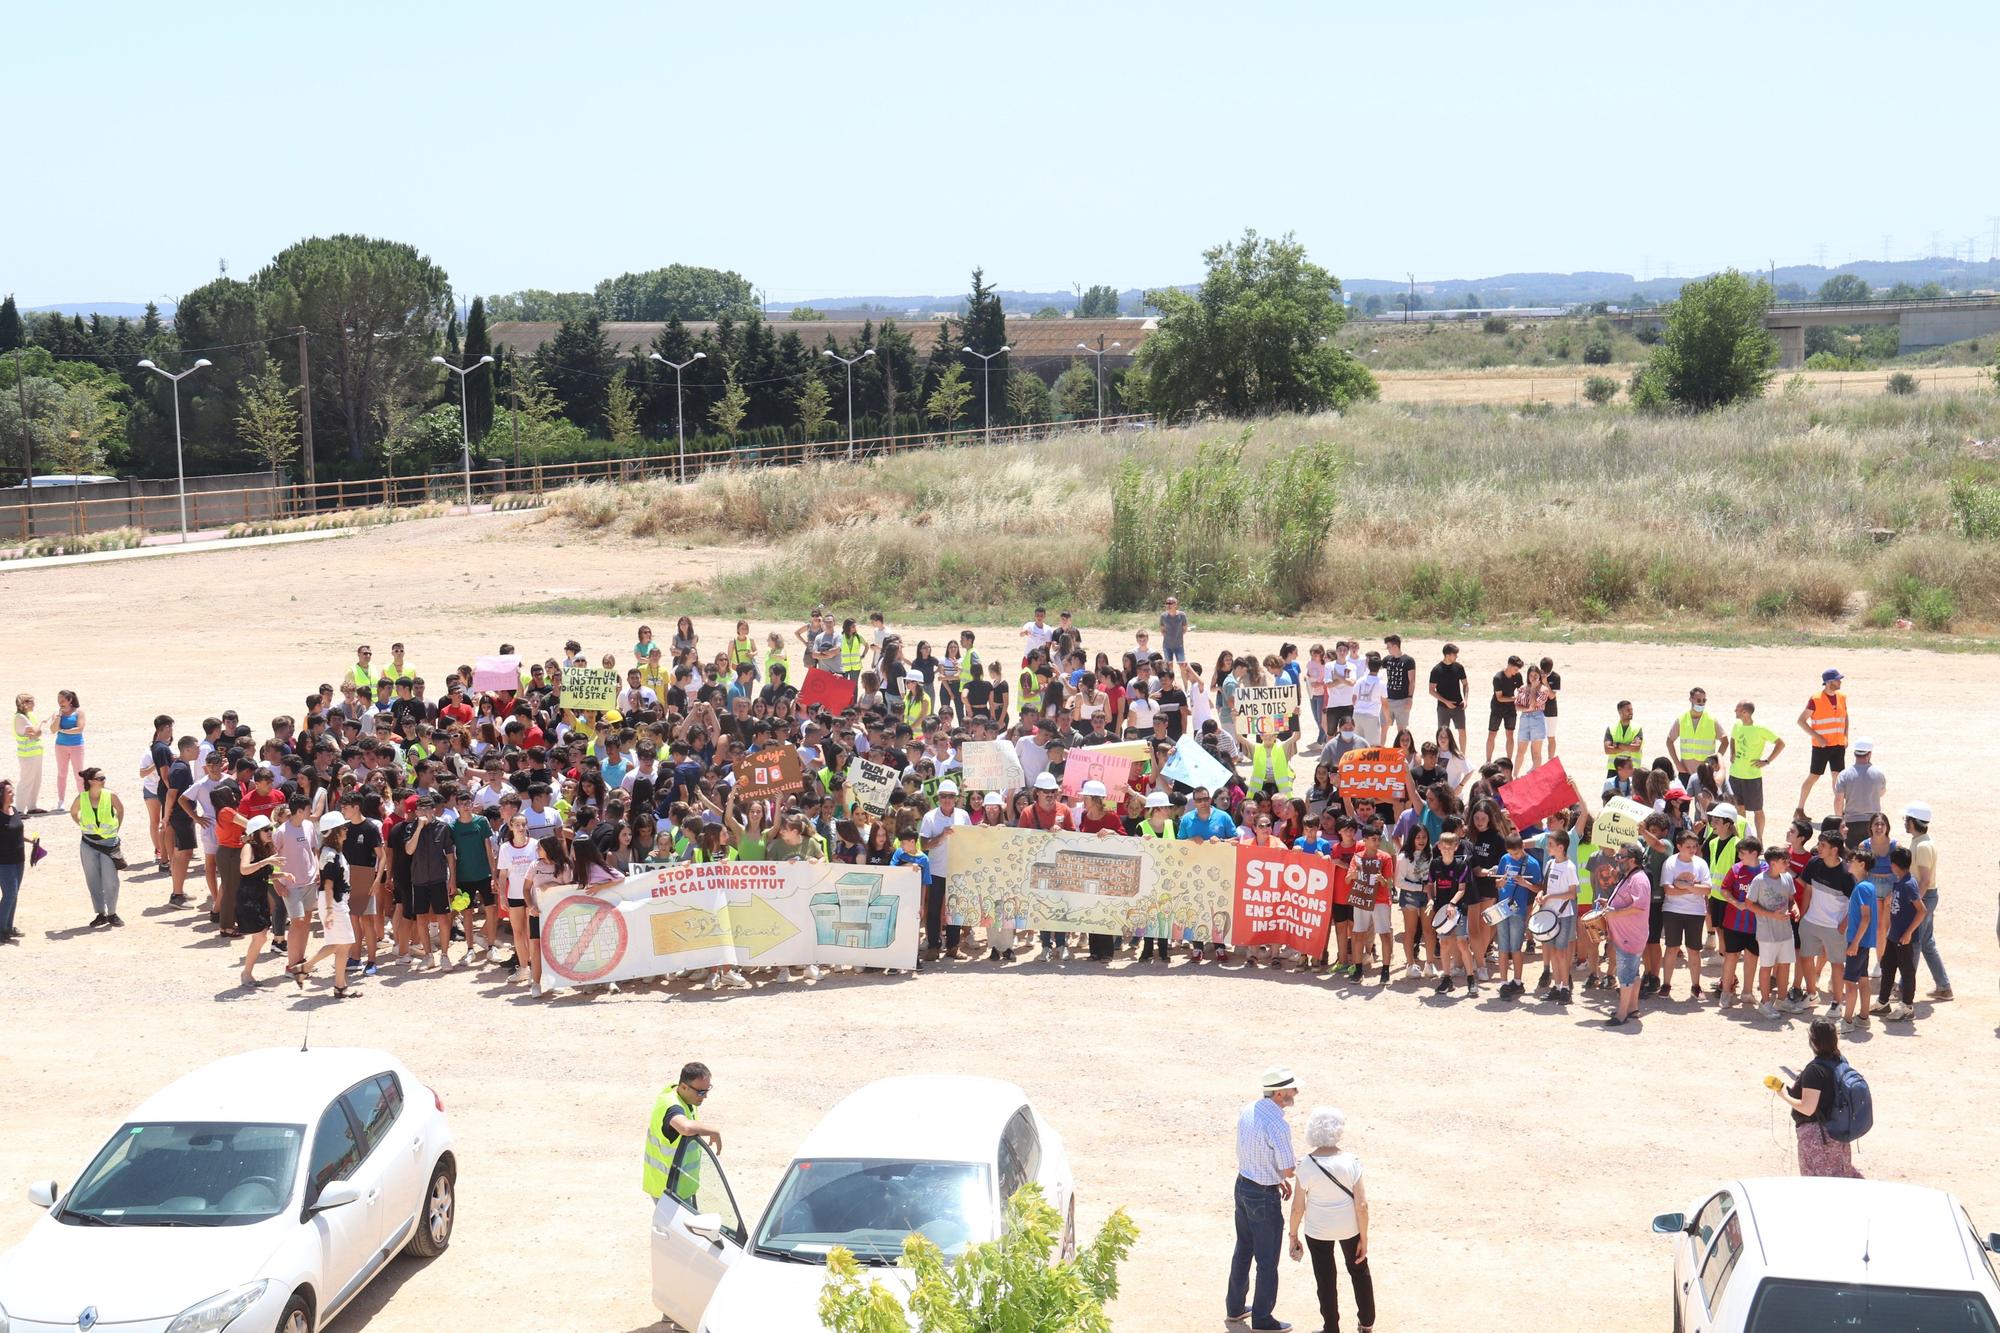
(736,914)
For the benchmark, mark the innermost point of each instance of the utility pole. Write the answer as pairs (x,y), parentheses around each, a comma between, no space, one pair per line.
(306,409)
(1411,303)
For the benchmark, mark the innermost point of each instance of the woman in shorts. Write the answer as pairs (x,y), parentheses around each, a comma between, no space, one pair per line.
(367,889)
(253,894)
(1558,895)
(520,858)
(1685,878)
(333,891)
(1413,881)
(1531,703)
(1451,886)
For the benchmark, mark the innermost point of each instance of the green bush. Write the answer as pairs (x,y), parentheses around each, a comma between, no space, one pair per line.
(1975,507)
(1902,382)
(1597,351)
(1600,389)
(1493,324)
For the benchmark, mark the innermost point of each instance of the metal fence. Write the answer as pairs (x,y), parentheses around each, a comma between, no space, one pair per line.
(59,515)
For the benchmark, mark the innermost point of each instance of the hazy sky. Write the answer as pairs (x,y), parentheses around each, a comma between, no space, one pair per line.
(827,150)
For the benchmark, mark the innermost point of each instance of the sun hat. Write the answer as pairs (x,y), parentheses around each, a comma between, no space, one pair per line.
(1723,811)
(1919,811)
(1828,676)
(1094,788)
(1277,1078)
(1157,800)
(1047,782)
(257,825)
(1864,746)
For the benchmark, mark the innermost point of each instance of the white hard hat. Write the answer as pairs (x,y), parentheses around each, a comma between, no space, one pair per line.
(1094,788)
(1864,746)
(1919,811)
(1047,782)
(947,788)
(332,820)
(1723,811)
(993,798)
(1157,800)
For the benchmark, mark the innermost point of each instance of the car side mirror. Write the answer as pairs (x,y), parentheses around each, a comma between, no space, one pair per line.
(1993,1241)
(43,1194)
(1668,1224)
(337,1195)
(708,1226)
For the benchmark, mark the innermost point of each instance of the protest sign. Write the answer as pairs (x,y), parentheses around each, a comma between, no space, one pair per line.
(770,772)
(990,766)
(496,673)
(1099,764)
(825,689)
(1533,797)
(731,914)
(1193,766)
(1378,772)
(589,689)
(1266,703)
(872,785)
(1080,882)
(1282,898)
(1618,822)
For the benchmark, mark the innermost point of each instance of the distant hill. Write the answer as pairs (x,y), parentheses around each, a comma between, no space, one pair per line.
(108,309)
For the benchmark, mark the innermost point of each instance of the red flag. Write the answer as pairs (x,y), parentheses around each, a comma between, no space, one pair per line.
(1539,794)
(826,690)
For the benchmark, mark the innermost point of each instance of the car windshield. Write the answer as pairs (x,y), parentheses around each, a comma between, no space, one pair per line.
(871,1206)
(211,1174)
(1786,1306)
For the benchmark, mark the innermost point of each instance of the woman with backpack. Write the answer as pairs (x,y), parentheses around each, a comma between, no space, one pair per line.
(1825,1105)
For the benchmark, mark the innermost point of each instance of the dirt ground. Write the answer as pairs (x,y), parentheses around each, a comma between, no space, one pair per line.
(1502,1141)
(1564,384)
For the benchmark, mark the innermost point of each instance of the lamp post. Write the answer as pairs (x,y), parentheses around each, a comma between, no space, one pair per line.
(986,383)
(465,418)
(680,430)
(849,361)
(180,464)
(1098,352)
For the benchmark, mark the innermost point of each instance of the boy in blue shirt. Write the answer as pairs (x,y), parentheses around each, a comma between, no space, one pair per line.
(1906,912)
(1520,876)
(1864,929)
(910,852)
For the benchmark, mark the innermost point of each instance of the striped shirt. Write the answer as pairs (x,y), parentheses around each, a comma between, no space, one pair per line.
(1263,1143)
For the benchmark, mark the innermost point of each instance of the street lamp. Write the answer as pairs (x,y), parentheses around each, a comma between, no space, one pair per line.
(1098,352)
(986,382)
(849,361)
(180,465)
(680,430)
(465,418)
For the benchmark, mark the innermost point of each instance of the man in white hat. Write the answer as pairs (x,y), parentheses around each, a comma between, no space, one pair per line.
(1858,792)
(1923,867)
(1265,1165)
(936,829)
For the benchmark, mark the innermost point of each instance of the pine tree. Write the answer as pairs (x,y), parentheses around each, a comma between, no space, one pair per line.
(727,412)
(11,335)
(149,325)
(814,407)
(479,388)
(948,399)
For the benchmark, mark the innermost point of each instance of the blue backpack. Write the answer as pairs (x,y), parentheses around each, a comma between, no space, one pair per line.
(1852,1113)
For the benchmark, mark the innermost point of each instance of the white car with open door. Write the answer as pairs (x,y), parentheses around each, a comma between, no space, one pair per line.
(936,1154)
(259,1193)
(1789,1253)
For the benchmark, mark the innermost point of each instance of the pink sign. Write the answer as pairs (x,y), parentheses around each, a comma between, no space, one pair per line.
(496,673)
(1113,770)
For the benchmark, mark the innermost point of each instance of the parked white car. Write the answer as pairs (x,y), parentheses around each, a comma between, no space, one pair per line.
(261,1192)
(936,1154)
(1787,1253)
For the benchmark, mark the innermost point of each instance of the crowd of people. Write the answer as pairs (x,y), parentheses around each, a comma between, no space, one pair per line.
(408,813)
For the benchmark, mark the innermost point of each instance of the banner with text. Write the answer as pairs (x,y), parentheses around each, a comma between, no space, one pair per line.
(589,689)
(873,785)
(1271,704)
(990,766)
(772,772)
(1283,898)
(1079,882)
(1379,772)
(1618,822)
(737,914)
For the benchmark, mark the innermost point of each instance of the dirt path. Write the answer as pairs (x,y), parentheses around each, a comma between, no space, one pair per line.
(1501,1142)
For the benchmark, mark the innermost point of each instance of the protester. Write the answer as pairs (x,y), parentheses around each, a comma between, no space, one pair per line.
(100,812)
(1811,1097)
(1330,1215)
(13,861)
(1265,1171)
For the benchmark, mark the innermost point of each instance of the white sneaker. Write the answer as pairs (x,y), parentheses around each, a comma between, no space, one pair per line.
(1767,1010)
(812,971)
(1792,1006)
(785,974)
(739,981)
(535,989)
(715,981)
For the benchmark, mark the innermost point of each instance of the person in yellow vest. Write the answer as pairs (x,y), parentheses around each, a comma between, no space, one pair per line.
(99,813)
(1695,736)
(743,648)
(1622,737)
(1270,762)
(363,671)
(774,654)
(1825,720)
(1158,822)
(673,1163)
(28,751)
(1719,850)
(853,650)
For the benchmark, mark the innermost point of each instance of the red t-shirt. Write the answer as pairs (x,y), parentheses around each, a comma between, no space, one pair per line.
(1343,862)
(1801,891)
(1058,818)
(254,804)
(1098,823)
(460,713)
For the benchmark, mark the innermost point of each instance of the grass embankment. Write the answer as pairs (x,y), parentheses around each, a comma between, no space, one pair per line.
(1785,515)
(1465,345)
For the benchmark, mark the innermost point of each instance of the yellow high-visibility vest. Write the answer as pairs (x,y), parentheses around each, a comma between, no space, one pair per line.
(661,1156)
(1268,763)
(1699,738)
(101,821)
(25,746)
(853,653)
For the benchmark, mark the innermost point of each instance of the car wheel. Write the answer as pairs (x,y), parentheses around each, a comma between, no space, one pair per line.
(298,1315)
(440,1208)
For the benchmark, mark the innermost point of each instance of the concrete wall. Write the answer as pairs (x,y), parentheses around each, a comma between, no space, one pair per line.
(1934,328)
(213,501)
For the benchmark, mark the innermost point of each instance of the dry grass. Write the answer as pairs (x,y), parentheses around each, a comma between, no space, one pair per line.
(1797,510)
(1563,385)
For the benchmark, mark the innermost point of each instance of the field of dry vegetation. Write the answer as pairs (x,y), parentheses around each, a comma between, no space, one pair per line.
(1803,511)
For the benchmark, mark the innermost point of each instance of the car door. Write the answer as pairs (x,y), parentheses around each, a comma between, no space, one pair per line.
(348,1236)
(688,1267)
(394,1146)
(1696,1243)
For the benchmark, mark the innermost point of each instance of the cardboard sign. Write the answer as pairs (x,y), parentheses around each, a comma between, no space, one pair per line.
(826,689)
(590,689)
(1195,767)
(1266,703)
(1113,770)
(1379,772)
(496,673)
(1532,798)
(1618,822)
(1282,898)
(872,785)
(990,766)
(769,773)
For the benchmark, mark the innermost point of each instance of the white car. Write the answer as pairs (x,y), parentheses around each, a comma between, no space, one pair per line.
(937,1154)
(259,1193)
(1788,1253)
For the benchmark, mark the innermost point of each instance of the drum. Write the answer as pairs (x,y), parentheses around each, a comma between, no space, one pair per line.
(1446,919)
(1544,926)
(1495,914)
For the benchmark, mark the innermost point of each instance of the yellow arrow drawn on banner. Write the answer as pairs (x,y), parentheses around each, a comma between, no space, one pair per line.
(753,925)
